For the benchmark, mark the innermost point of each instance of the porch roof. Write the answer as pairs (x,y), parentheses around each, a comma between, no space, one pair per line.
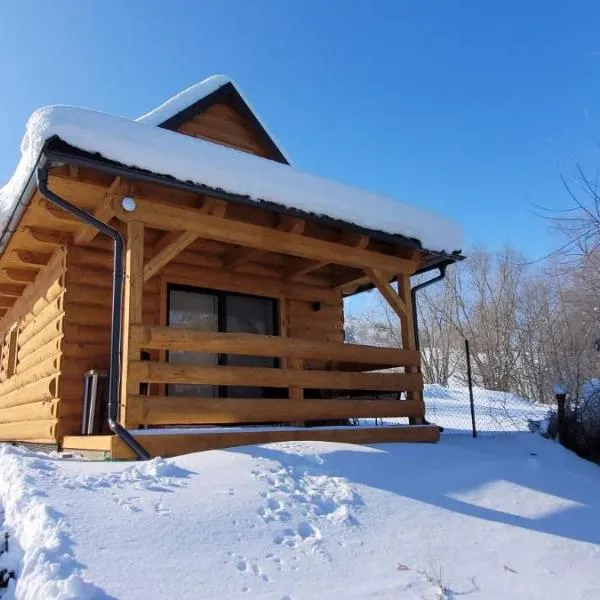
(141,145)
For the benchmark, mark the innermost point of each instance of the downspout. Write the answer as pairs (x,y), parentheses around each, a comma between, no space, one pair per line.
(413,294)
(114,387)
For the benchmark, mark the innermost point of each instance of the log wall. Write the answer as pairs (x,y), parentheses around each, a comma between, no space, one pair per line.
(32,360)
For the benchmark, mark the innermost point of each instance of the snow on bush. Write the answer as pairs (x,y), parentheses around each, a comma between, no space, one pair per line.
(589,407)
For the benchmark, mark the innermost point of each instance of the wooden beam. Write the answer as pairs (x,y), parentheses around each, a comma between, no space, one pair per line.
(168,253)
(299,267)
(169,410)
(175,245)
(57,213)
(408,338)
(38,259)
(387,291)
(49,236)
(132,309)
(160,372)
(164,216)
(104,210)
(20,275)
(250,344)
(239,256)
(406,323)
(177,444)
(11,290)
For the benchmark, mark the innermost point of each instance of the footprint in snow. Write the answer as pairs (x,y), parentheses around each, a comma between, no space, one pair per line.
(161,509)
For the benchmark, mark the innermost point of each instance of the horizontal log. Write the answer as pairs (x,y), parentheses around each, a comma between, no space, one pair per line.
(38,371)
(51,331)
(94,316)
(91,257)
(246,284)
(177,444)
(98,296)
(47,286)
(20,275)
(247,344)
(47,316)
(52,292)
(85,350)
(29,430)
(159,372)
(81,334)
(170,216)
(40,389)
(173,410)
(70,389)
(7,302)
(35,411)
(11,290)
(48,350)
(29,372)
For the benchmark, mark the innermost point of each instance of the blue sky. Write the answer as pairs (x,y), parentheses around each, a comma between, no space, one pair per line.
(473,109)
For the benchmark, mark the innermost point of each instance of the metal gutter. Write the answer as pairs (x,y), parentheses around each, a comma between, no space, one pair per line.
(413,294)
(114,369)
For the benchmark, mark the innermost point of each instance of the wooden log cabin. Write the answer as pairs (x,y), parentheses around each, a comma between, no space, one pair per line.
(182,256)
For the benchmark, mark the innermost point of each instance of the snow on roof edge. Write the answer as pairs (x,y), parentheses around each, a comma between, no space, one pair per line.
(184,158)
(188,97)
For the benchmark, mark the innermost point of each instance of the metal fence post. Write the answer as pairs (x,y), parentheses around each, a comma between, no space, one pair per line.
(470,381)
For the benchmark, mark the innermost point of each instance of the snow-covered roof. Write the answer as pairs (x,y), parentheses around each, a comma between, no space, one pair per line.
(182,100)
(193,95)
(140,144)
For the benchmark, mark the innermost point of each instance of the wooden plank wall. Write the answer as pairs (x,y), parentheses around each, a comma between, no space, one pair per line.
(313,312)
(29,398)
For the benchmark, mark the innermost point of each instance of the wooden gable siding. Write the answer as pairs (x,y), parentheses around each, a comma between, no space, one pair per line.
(224,125)
(30,393)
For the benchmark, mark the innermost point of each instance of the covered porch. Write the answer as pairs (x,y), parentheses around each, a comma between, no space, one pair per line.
(312,385)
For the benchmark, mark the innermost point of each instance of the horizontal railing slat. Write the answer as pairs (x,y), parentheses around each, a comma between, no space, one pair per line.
(178,338)
(169,410)
(162,372)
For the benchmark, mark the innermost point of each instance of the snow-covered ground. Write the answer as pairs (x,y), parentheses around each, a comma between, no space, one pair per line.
(512,516)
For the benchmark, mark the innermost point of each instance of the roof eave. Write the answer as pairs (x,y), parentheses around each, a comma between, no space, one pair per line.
(60,152)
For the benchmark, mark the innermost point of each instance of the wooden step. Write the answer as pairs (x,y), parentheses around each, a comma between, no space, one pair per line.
(164,443)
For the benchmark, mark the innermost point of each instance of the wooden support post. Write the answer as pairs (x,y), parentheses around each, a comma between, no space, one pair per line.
(289,362)
(408,334)
(132,312)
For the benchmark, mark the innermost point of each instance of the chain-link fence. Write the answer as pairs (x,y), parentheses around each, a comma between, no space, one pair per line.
(467,409)
(492,412)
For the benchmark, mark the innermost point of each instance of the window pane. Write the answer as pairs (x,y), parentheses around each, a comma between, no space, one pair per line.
(193,310)
(249,314)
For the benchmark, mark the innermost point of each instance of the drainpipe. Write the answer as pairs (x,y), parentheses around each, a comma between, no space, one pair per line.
(114,387)
(413,294)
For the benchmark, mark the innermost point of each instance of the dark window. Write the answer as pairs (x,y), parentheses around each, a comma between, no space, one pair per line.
(210,310)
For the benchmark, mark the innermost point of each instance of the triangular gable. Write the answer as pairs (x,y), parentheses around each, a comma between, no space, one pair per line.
(215,110)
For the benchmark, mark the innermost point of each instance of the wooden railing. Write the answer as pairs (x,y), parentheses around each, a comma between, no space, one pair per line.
(350,371)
